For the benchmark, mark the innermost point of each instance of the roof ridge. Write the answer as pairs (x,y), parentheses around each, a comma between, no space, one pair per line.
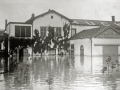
(31,19)
(95,20)
(73,37)
(106,28)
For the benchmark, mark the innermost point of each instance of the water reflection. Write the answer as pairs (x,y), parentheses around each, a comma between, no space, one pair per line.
(82,60)
(57,73)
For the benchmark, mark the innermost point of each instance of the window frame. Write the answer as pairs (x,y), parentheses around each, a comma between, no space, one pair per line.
(72,30)
(58,32)
(24,30)
(28,28)
(51,16)
(72,46)
(43,31)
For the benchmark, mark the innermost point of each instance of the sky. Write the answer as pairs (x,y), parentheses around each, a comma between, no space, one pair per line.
(21,10)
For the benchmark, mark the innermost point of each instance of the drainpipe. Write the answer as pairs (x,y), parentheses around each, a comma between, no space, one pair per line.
(91,47)
(9,39)
(8,45)
(91,53)
(32,38)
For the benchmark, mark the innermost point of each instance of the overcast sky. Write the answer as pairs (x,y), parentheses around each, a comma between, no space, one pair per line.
(21,10)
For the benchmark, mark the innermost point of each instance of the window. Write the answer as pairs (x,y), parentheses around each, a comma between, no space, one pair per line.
(55,30)
(17,31)
(28,30)
(72,49)
(82,50)
(72,46)
(43,31)
(22,31)
(73,31)
(51,17)
(58,31)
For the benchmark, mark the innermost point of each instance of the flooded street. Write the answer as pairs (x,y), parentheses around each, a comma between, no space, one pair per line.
(60,73)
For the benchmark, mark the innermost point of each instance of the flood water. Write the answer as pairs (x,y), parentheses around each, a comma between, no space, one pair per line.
(59,73)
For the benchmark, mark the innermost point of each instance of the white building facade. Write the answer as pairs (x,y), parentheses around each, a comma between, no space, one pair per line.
(57,20)
(96,42)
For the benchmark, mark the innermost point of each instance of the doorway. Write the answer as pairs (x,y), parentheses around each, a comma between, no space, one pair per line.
(81,50)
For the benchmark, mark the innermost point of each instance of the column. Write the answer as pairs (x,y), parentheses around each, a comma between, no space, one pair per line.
(17,55)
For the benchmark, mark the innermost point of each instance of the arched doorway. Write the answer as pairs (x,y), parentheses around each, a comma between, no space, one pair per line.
(81,50)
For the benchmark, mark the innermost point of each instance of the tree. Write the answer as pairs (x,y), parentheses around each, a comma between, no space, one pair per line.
(37,42)
(42,44)
(15,43)
(63,43)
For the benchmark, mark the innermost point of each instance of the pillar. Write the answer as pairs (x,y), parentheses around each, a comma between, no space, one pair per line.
(17,55)
(56,51)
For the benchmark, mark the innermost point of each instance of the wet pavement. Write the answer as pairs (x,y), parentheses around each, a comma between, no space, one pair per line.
(59,73)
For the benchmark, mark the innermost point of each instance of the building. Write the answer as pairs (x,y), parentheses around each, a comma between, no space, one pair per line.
(1,39)
(41,23)
(1,42)
(19,30)
(101,41)
(81,31)
(98,41)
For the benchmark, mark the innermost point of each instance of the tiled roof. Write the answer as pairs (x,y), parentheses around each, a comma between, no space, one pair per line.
(96,23)
(30,21)
(85,34)
(89,33)
(80,21)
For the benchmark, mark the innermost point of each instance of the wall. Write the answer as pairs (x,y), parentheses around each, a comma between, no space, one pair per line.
(46,21)
(85,42)
(2,45)
(107,42)
(96,50)
(7,29)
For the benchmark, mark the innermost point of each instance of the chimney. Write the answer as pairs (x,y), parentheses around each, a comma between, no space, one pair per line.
(32,16)
(113,18)
(5,24)
(49,10)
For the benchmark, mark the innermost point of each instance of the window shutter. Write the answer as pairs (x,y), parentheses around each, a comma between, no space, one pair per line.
(17,31)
